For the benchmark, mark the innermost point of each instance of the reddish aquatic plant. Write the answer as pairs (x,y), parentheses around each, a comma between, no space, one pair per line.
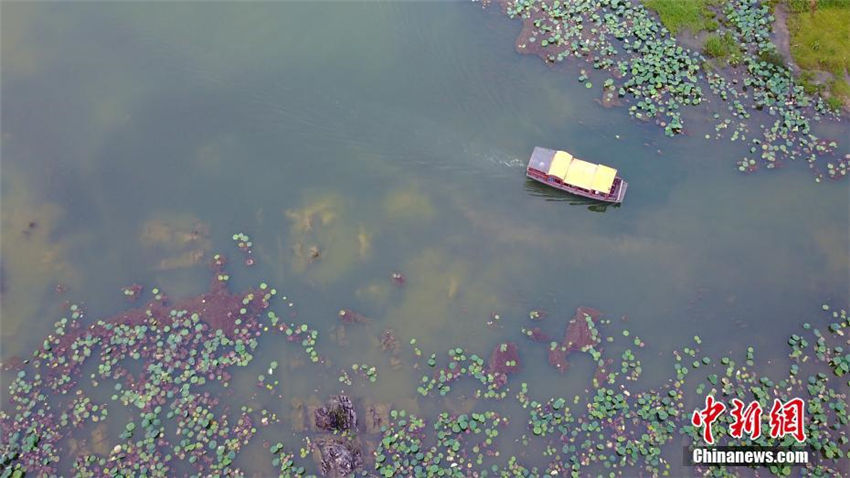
(504,359)
(537,314)
(196,340)
(244,243)
(537,335)
(398,278)
(348,316)
(580,333)
(132,292)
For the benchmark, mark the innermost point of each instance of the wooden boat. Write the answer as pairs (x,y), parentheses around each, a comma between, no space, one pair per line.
(561,170)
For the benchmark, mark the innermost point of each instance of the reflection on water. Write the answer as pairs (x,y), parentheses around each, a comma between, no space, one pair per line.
(396,148)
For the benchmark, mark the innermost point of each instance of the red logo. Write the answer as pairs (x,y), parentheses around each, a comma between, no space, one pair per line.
(707,416)
(746,420)
(787,419)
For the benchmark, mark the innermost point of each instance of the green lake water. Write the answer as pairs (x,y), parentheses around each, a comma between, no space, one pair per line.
(137,138)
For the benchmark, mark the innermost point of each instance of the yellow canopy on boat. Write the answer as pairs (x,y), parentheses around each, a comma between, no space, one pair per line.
(604,178)
(560,164)
(576,172)
(581,174)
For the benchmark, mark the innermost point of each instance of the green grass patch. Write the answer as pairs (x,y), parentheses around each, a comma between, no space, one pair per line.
(807,82)
(720,46)
(678,15)
(840,87)
(834,102)
(820,39)
(799,6)
(840,90)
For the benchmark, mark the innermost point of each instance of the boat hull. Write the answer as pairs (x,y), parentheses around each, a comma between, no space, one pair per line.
(615,197)
(561,170)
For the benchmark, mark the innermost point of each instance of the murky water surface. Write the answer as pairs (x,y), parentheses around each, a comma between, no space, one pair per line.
(380,137)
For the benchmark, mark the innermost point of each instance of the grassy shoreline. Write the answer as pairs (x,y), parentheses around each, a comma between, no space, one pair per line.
(820,45)
(818,33)
(659,75)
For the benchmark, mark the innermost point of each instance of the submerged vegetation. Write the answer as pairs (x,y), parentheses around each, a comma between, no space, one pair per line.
(753,95)
(157,373)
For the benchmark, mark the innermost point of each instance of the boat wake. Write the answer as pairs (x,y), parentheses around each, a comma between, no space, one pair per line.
(492,163)
(513,163)
(378,130)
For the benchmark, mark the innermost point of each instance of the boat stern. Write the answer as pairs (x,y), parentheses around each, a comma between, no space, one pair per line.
(621,191)
(539,162)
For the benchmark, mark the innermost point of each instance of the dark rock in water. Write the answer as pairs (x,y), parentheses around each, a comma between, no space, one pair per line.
(339,457)
(338,414)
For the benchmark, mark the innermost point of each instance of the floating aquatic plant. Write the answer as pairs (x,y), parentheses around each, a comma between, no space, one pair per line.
(660,77)
(163,362)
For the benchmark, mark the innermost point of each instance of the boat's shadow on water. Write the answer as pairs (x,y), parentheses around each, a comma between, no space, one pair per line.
(551,194)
